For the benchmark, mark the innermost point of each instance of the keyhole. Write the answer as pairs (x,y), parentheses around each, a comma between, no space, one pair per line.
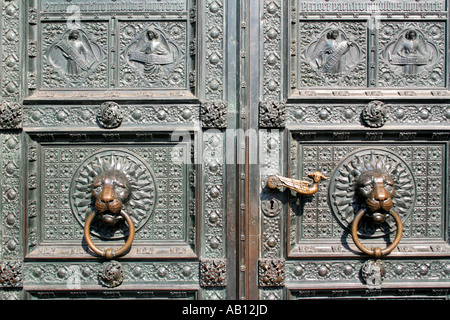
(271,204)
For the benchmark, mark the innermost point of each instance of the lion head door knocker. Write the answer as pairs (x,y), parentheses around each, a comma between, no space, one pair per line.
(375,190)
(113,195)
(372,191)
(111,191)
(301,187)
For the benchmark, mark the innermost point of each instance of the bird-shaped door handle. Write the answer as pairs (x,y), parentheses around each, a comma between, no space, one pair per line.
(299,186)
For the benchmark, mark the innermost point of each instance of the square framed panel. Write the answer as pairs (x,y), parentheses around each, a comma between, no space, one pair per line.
(412,54)
(319,225)
(161,201)
(332,54)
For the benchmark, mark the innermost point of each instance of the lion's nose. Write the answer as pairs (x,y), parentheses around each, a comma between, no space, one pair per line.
(107,194)
(380,193)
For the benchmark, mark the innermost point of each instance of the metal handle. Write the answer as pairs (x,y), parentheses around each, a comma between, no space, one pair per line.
(376,252)
(301,187)
(109,253)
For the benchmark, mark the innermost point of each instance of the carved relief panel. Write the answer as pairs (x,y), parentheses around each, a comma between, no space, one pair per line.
(418,178)
(86,45)
(74,58)
(332,54)
(357,45)
(412,54)
(153,55)
(160,195)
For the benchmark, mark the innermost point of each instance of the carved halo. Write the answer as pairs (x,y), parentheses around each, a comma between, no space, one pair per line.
(142,200)
(342,189)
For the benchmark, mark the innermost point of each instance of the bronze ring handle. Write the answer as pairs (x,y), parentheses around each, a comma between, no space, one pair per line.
(376,252)
(109,253)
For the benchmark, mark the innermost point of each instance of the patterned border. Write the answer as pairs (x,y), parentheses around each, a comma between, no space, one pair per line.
(348,271)
(272,50)
(10,144)
(50,116)
(214,50)
(213,241)
(85,273)
(11,108)
(335,114)
(270,140)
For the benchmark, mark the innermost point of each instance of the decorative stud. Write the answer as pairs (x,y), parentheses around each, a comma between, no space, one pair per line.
(110,116)
(111,275)
(375,114)
(213,273)
(271,272)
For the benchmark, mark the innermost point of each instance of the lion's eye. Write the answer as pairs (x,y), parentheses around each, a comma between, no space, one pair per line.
(98,188)
(120,188)
(367,188)
(389,187)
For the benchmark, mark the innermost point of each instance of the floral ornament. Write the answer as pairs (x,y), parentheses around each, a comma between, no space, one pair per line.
(11,275)
(375,114)
(214,114)
(272,114)
(10,115)
(373,273)
(271,272)
(213,273)
(110,116)
(111,274)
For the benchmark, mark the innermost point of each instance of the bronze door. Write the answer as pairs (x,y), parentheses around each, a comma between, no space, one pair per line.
(357,91)
(221,149)
(113,185)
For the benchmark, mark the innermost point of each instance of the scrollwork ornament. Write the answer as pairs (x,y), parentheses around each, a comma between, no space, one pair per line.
(213,273)
(375,114)
(373,273)
(272,114)
(110,115)
(271,272)
(11,275)
(214,114)
(111,274)
(10,115)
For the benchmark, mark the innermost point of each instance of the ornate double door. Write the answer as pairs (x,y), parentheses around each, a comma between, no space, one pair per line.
(219,149)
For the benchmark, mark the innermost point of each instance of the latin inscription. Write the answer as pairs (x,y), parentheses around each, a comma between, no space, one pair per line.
(370,6)
(52,6)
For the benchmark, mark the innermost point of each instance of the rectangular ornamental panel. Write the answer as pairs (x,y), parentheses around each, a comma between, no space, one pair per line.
(154,186)
(110,46)
(379,45)
(417,170)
